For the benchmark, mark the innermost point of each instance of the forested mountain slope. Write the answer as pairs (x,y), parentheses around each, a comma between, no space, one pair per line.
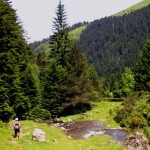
(112,43)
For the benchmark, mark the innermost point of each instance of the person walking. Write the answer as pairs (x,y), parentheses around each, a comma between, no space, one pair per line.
(16,128)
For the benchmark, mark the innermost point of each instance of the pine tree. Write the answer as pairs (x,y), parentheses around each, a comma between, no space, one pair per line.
(60,40)
(65,79)
(53,80)
(14,62)
(78,86)
(142,69)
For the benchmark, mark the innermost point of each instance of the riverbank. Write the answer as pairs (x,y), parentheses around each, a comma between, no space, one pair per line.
(56,138)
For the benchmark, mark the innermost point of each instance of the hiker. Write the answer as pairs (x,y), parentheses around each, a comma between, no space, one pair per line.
(16,127)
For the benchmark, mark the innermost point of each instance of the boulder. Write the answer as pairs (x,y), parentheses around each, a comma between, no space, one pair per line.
(136,141)
(38,135)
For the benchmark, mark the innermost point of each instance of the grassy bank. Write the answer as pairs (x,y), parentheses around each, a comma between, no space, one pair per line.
(57,139)
(100,111)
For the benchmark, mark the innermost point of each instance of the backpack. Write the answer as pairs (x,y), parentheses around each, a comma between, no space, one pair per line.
(16,126)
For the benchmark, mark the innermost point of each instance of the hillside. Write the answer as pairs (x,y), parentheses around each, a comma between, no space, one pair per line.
(112,43)
(92,44)
(135,7)
(77,32)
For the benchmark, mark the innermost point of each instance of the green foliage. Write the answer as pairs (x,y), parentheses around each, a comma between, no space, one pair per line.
(6,112)
(21,106)
(42,47)
(142,69)
(38,113)
(77,32)
(60,40)
(41,60)
(95,80)
(113,43)
(53,80)
(18,79)
(76,108)
(10,59)
(108,94)
(99,111)
(147,132)
(78,85)
(125,85)
(66,79)
(2,124)
(95,96)
(30,84)
(135,112)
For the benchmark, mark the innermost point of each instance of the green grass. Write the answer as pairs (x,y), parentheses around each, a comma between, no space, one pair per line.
(100,112)
(137,6)
(77,32)
(56,139)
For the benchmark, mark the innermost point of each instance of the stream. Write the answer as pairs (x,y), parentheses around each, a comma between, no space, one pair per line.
(86,129)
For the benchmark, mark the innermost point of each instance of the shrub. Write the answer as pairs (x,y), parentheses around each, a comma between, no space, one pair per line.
(75,109)
(39,113)
(135,113)
(147,132)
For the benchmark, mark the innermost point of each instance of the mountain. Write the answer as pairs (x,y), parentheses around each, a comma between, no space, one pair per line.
(113,43)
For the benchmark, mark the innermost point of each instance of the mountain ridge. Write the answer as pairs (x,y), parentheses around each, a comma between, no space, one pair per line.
(132,8)
(113,43)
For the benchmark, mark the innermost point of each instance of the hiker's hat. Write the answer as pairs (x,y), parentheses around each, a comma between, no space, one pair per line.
(16,119)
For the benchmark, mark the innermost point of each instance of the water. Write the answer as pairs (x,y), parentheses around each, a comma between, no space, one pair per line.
(117,134)
(86,129)
(83,130)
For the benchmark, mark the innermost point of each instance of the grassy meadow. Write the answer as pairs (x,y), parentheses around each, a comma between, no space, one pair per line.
(137,6)
(77,32)
(56,138)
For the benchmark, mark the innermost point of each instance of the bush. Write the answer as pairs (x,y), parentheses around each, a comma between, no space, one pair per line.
(147,132)
(75,109)
(39,113)
(135,113)
(95,96)
(2,124)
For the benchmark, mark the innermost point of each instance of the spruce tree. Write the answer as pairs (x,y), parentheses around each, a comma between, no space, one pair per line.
(15,98)
(142,69)
(65,79)
(53,79)
(60,39)
(77,89)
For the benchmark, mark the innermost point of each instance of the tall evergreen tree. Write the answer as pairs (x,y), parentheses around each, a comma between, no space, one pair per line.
(79,84)
(53,80)
(142,69)
(65,78)
(14,62)
(60,39)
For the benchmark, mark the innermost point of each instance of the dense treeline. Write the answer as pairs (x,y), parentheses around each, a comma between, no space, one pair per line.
(45,85)
(19,87)
(113,43)
(79,24)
